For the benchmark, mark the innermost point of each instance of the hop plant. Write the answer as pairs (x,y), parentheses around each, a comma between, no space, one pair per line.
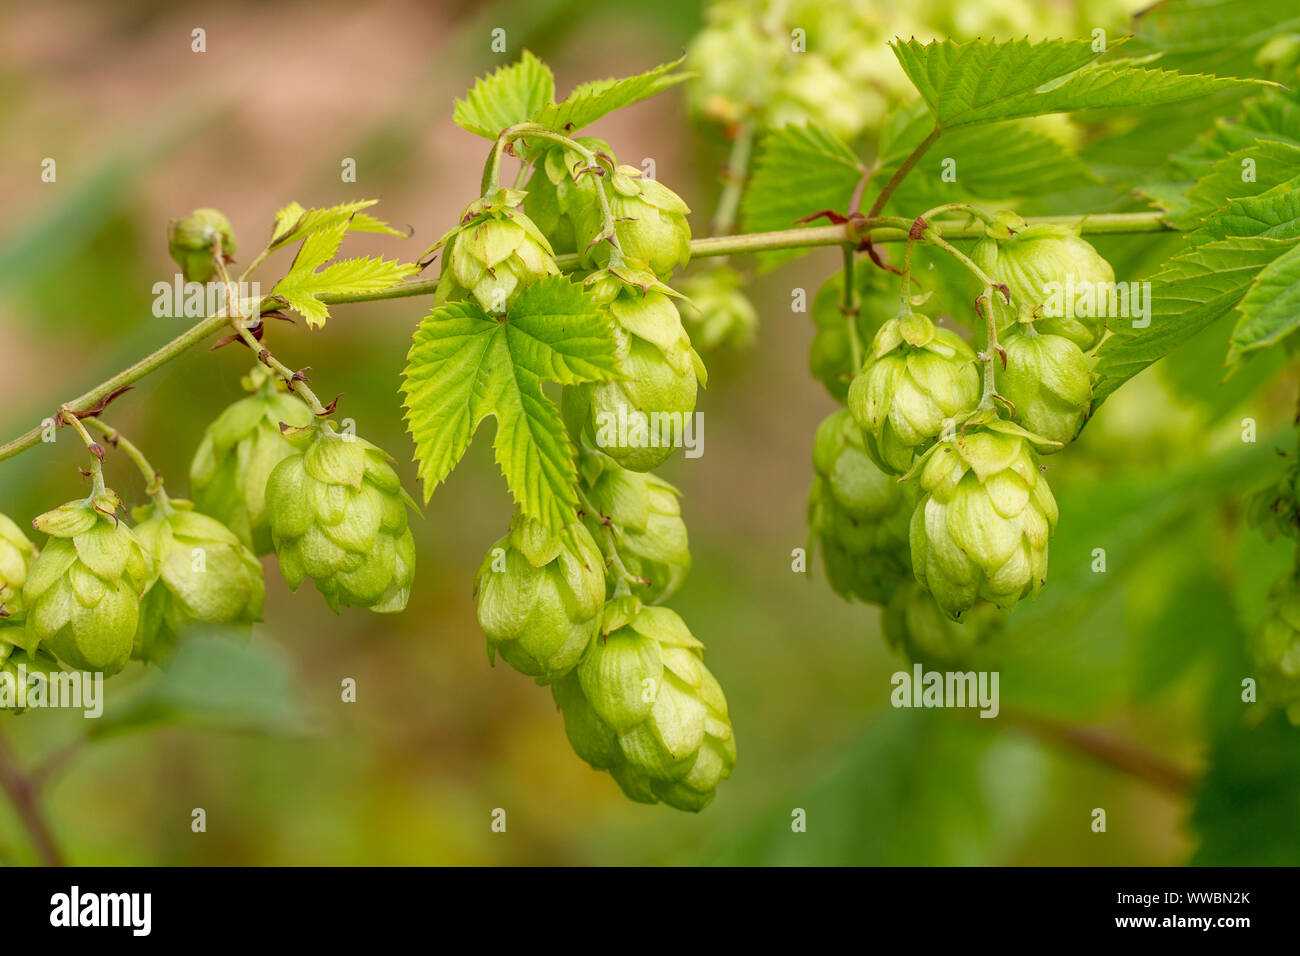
(626,417)
(1048,381)
(981,530)
(915,625)
(716,311)
(646,517)
(1275,649)
(1054,277)
(560,186)
(16,556)
(540,597)
(83,590)
(206,575)
(917,377)
(642,706)
(858,514)
(494,252)
(189,241)
(649,221)
(236,455)
(337,513)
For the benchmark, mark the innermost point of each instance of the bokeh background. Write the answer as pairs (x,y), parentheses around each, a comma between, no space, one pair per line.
(143,130)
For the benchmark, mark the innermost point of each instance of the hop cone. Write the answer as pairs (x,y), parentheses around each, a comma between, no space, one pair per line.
(647,520)
(858,514)
(1275,649)
(338,516)
(189,241)
(717,311)
(915,625)
(642,705)
(1048,381)
(981,530)
(17,666)
(236,456)
(494,253)
(1034,258)
(558,188)
(540,599)
(83,590)
(918,377)
(649,220)
(16,556)
(206,575)
(638,419)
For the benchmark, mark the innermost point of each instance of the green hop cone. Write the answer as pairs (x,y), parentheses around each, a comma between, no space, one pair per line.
(493,254)
(917,377)
(649,220)
(981,530)
(189,241)
(646,517)
(540,598)
(858,514)
(1048,381)
(642,706)
(560,186)
(716,310)
(337,513)
(1275,649)
(83,590)
(1056,279)
(16,556)
(916,626)
(236,456)
(639,418)
(17,667)
(206,575)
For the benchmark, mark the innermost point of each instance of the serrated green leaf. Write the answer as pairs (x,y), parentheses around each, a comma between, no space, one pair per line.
(1270,310)
(465,366)
(1193,290)
(993,162)
(1218,35)
(590,101)
(1247,172)
(981,81)
(1274,214)
(301,287)
(800,170)
(505,97)
(293,222)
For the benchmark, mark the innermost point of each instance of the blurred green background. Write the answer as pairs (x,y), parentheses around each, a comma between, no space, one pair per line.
(143,129)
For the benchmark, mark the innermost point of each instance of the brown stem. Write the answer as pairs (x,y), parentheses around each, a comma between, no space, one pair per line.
(901,173)
(24,794)
(1102,746)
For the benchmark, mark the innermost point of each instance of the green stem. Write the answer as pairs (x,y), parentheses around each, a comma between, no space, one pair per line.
(848,234)
(901,173)
(153,479)
(849,308)
(737,172)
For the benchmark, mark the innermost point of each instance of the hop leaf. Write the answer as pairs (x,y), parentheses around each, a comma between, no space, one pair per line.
(465,366)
